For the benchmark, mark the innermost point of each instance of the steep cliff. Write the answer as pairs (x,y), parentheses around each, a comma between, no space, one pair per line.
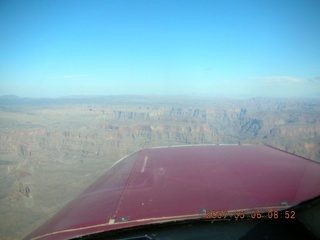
(50,148)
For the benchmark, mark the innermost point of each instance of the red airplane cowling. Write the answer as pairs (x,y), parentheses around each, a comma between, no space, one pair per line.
(175,183)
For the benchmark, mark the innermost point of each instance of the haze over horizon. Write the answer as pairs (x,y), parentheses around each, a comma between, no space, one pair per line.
(224,48)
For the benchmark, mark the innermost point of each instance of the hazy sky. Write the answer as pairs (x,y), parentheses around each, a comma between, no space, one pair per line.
(248,48)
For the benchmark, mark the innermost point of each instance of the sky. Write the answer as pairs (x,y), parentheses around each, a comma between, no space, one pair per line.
(266,48)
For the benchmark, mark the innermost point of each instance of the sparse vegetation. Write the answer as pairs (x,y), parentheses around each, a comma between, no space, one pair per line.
(52,150)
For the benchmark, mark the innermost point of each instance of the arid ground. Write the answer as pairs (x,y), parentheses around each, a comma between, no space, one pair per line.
(52,149)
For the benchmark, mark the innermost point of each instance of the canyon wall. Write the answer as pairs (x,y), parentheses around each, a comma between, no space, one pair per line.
(52,149)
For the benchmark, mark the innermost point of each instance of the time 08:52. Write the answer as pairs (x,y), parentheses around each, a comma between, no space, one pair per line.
(239,214)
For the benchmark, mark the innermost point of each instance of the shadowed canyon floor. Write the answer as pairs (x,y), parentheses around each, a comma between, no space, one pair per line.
(51,149)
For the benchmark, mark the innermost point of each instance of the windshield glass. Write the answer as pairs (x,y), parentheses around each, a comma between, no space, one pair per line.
(86,83)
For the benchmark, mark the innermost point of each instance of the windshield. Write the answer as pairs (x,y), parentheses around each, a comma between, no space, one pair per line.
(86,83)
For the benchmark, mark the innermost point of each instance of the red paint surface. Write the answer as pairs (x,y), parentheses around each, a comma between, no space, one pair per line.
(161,184)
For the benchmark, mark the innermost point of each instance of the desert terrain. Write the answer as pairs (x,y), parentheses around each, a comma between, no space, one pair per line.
(52,149)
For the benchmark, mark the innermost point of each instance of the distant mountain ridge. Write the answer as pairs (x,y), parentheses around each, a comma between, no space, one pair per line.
(52,146)
(9,97)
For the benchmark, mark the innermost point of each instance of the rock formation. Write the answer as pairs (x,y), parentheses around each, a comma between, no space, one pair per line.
(58,146)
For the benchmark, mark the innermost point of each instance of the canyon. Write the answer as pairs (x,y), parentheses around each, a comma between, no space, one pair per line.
(52,149)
